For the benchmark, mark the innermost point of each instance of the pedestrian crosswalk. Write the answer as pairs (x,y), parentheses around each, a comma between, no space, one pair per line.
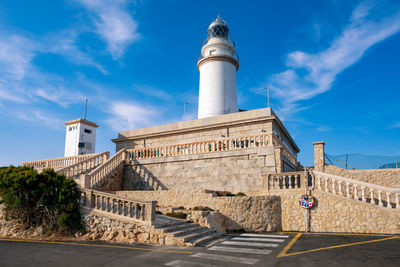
(244,249)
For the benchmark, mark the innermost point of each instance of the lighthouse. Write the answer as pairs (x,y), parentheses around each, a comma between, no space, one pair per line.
(217,66)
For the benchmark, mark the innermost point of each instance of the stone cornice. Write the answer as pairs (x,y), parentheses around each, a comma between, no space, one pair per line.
(83,121)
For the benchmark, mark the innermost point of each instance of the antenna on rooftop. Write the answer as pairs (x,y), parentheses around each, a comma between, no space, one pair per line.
(184,109)
(86,108)
(267,88)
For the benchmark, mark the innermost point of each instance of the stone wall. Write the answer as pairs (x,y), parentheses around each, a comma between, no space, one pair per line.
(336,214)
(384,177)
(234,171)
(251,213)
(105,227)
(111,182)
(238,124)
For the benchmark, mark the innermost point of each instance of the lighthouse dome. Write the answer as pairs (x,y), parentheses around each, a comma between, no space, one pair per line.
(218,28)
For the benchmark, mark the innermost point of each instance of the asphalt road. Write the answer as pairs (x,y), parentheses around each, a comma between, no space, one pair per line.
(285,249)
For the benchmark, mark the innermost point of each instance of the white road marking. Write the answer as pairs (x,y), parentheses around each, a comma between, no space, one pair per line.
(260,235)
(179,263)
(241,250)
(225,258)
(257,239)
(250,244)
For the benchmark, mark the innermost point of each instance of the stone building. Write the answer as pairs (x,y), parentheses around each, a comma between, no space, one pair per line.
(222,150)
(229,152)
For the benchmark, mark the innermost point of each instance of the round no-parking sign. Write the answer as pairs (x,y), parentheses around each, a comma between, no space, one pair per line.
(306,201)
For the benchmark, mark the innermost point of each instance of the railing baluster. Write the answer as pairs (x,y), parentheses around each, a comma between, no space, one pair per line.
(363,194)
(389,205)
(372,196)
(380,198)
(355,192)
(326,184)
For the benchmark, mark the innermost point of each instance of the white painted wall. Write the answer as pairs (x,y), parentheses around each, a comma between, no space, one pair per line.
(76,134)
(217,91)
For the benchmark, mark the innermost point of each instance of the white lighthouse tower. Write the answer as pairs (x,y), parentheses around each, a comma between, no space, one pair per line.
(217,66)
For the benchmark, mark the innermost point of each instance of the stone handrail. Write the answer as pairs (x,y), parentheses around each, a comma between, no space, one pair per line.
(56,163)
(102,171)
(286,180)
(357,190)
(144,211)
(223,144)
(84,165)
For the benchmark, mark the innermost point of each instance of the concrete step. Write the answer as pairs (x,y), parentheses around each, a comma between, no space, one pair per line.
(185,231)
(203,240)
(165,225)
(195,235)
(165,221)
(177,227)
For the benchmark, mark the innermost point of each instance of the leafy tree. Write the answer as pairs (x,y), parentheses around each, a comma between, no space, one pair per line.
(35,199)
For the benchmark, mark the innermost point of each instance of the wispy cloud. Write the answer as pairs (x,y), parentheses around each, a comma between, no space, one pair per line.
(113,23)
(64,43)
(41,117)
(59,96)
(16,53)
(324,128)
(153,92)
(125,116)
(309,74)
(395,125)
(23,85)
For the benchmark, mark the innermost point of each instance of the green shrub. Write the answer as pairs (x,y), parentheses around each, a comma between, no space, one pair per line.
(240,194)
(224,194)
(203,208)
(34,199)
(179,215)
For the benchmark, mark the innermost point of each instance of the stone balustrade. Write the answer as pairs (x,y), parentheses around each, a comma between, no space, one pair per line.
(84,165)
(144,211)
(341,186)
(223,144)
(97,175)
(357,190)
(56,163)
(286,180)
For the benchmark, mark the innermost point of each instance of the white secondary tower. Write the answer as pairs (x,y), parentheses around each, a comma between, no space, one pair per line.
(80,137)
(217,66)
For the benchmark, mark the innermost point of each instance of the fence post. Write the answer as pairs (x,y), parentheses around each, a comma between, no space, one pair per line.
(319,156)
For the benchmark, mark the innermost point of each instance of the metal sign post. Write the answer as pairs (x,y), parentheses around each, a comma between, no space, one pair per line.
(306,192)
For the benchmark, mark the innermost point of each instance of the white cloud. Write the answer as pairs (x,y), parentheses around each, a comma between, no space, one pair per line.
(22,82)
(64,44)
(16,53)
(126,116)
(113,23)
(38,116)
(321,69)
(153,92)
(394,125)
(324,128)
(59,96)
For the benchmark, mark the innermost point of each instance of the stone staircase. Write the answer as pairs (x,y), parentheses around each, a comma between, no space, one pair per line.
(183,233)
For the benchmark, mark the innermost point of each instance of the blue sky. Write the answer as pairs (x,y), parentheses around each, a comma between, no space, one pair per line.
(332,66)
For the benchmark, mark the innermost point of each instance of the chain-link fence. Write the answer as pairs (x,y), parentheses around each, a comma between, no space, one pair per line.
(363,162)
